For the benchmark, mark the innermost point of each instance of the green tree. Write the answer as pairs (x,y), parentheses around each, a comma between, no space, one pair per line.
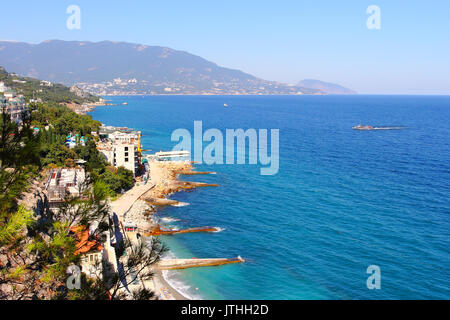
(135,265)
(19,160)
(11,231)
(58,154)
(126,177)
(95,160)
(118,180)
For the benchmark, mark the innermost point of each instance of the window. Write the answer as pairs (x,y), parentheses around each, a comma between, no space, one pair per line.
(126,154)
(126,148)
(126,159)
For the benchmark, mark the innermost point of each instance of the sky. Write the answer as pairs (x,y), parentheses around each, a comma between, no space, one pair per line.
(284,41)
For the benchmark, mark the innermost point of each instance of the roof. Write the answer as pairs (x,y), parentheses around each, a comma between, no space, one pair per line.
(83,244)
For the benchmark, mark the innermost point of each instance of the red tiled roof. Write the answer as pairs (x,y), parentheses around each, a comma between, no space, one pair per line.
(83,244)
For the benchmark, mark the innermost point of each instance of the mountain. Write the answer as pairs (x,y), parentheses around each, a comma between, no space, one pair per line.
(125,68)
(326,87)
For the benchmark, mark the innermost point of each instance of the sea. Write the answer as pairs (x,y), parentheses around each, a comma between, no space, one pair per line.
(349,215)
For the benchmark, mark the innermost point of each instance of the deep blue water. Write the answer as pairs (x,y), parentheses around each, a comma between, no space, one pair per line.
(342,200)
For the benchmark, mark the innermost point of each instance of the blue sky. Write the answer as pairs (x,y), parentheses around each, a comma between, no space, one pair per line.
(285,41)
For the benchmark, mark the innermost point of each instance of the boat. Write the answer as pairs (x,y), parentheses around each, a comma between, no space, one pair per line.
(125,103)
(361,127)
(225,105)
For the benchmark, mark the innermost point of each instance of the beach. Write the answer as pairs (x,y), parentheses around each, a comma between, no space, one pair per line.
(138,206)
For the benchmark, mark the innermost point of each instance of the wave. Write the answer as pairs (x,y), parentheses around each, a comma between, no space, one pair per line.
(389,128)
(181,204)
(169,219)
(174,279)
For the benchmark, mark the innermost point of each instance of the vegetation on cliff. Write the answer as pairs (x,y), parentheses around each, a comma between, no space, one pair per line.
(50,94)
(37,245)
(55,123)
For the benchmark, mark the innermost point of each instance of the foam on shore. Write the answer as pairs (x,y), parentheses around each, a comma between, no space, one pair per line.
(174,279)
(181,204)
(169,219)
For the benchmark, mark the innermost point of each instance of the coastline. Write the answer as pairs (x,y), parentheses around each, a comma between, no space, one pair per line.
(311,194)
(177,295)
(140,204)
(212,94)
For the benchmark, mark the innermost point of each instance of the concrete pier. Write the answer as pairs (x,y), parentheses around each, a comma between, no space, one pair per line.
(164,232)
(177,264)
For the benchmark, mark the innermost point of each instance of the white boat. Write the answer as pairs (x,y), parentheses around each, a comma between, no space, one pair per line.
(361,127)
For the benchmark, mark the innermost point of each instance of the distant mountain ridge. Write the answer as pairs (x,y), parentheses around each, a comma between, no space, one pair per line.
(124,68)
(327,87)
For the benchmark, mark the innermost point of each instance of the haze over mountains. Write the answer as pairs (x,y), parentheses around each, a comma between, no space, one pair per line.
(327,87)
(125,68)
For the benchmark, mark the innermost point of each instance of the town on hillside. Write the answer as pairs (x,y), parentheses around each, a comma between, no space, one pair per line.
(92,194)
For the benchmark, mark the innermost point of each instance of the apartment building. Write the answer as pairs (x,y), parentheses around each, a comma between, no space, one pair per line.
(14,103)
(121,147)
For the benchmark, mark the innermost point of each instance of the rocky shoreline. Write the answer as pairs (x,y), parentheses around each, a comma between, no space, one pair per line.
(139,206)
(163,183)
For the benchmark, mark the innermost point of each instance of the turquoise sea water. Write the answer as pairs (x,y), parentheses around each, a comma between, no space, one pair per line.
(342,200)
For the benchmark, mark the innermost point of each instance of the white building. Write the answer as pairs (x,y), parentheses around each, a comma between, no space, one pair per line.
(3,88)
(63,182)
(107,150)
(121,148)
(91,252)
(124,137)
(45,83)
(9,94)
(121,155)
(14,104)
(126,155)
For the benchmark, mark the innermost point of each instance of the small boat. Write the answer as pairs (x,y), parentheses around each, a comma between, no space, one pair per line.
(125,103)
(361,127)
(225,105)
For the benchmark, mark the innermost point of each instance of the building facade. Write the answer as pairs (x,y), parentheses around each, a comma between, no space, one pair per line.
(64,182)
(13,103)
(121,148)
